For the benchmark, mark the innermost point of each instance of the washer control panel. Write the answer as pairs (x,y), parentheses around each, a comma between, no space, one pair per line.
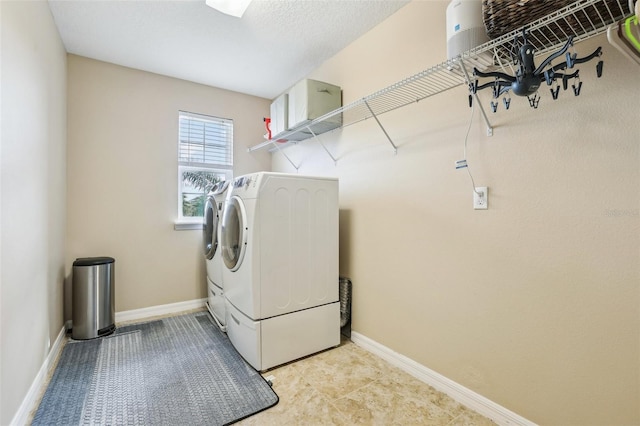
(247,185)
(242,181)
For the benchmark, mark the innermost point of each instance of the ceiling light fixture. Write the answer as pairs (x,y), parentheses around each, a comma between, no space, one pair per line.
(230,7)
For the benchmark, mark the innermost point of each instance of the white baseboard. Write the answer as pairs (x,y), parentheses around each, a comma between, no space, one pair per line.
(463,395)
(153,311)
(31,399)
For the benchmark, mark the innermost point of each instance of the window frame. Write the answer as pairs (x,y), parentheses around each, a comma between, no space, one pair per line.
(225,170)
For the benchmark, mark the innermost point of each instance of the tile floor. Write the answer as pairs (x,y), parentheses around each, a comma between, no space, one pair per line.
(348,385)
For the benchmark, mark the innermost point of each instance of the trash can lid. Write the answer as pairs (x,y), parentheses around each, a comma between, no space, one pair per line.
(92,261)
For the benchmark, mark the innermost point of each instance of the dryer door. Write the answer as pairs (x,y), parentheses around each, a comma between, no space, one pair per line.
(210,228)
(234,233)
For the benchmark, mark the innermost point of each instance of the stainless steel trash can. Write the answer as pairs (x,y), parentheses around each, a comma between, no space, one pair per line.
(93,297)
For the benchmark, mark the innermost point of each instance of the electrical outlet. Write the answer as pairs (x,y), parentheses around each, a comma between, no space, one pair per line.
(481,198)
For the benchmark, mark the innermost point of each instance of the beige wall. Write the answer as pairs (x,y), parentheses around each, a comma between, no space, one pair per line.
(33,195)
(122,175)
(534,303)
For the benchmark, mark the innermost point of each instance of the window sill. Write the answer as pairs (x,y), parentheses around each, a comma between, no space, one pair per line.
(187,226)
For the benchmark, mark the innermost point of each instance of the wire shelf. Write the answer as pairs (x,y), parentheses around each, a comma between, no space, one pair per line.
(581,19)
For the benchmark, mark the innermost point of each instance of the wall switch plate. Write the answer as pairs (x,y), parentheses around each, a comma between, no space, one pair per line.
(481,198)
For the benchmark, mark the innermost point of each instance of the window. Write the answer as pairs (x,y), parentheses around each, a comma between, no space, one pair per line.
(205,157)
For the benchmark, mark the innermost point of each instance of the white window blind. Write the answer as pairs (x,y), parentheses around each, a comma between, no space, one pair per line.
(205,141)
(205,157)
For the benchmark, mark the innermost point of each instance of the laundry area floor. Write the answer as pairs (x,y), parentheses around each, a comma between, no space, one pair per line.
(348,385)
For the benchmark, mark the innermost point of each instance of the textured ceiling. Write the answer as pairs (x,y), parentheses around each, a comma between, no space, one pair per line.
(275,44)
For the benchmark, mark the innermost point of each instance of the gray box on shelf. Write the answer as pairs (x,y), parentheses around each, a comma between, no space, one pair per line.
(279,114)
(310,99)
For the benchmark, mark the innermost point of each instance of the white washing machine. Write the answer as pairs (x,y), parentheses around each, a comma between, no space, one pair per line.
(280,249)
(213,209)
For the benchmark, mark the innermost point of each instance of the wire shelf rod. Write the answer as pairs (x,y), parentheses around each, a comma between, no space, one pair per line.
(581,19)
(395,148)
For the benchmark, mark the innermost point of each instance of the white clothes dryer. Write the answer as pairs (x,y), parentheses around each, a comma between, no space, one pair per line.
(213,209)
(280,249)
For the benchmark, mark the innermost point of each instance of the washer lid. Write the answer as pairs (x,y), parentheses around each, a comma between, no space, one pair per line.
(234,233)
(210,228)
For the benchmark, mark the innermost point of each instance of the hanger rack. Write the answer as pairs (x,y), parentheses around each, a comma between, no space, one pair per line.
(582,19)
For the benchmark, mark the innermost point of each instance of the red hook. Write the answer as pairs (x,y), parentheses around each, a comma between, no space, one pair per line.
(267,123)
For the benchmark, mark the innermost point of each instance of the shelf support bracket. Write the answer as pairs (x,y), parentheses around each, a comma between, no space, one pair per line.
(285,155)
(476,99)
(317,139)
(395,148)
